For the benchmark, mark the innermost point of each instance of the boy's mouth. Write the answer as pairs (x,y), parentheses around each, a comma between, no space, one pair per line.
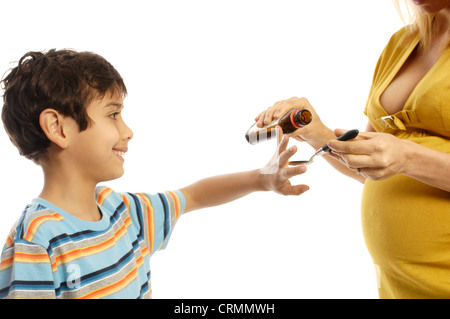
(120,153)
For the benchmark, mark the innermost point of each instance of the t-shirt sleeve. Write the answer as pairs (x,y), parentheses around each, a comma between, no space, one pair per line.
(155,215)
(26,272)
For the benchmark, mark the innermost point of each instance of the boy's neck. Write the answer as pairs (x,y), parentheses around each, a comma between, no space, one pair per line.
(71,193)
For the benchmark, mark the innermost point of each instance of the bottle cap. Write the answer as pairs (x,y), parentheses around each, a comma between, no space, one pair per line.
(305,117)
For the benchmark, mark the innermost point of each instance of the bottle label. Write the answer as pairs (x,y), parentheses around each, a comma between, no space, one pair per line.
(258,135)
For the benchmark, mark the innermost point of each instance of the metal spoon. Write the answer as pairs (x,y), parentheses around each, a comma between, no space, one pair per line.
(325,149)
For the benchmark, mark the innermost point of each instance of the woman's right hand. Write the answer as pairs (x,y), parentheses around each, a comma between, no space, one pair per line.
(313,133)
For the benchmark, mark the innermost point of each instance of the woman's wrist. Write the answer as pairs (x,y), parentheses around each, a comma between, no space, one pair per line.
(321,137)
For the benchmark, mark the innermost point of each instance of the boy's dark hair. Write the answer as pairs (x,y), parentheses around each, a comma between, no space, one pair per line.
(64,80)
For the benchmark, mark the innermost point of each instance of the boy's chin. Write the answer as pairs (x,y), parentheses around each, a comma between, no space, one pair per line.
(112,177)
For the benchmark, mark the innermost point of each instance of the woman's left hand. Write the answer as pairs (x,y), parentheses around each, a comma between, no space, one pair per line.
(374,155)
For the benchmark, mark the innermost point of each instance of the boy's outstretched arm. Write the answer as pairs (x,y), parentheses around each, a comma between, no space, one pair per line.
(274,176)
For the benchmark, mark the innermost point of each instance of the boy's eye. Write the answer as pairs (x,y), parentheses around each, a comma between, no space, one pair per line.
(114,115)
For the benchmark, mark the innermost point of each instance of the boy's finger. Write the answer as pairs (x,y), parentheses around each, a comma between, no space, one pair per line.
(279,133)
(282,140)
(284,144)
(286,155)
(294,171)
(295,190)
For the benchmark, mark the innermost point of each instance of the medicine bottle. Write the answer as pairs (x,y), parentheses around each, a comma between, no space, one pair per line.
(289,123)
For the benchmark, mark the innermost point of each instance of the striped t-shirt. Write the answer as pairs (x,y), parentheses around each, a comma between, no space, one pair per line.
(52,254)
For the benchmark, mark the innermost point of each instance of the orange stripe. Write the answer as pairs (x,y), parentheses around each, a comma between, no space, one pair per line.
(6,263)
(112,288)
(177,203)
(103,195)
(145,251)
(9,241)
(126,201)
(150,223)
(31,258)
(36,222)
(139,261)
(24,258)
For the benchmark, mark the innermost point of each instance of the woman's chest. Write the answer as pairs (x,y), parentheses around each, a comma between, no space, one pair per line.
(404,83)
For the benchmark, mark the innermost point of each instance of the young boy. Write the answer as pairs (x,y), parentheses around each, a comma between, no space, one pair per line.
(63,110)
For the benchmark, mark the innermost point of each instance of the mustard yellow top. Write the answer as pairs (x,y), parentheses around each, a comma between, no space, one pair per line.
(406,223)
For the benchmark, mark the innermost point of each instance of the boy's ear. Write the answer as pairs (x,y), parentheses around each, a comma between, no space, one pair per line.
(52,123)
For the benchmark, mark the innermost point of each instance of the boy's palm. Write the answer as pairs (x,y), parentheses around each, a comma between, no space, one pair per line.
(276,173)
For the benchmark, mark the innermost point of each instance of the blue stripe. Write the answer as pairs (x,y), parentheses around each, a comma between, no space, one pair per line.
(166,214)
(26,285)
(138,214)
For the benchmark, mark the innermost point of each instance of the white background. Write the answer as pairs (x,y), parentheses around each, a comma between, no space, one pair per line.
(198,72)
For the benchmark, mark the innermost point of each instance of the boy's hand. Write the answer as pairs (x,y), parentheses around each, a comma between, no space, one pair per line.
(276,174)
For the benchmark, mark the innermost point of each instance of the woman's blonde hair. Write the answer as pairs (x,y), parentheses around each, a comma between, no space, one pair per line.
(418,21)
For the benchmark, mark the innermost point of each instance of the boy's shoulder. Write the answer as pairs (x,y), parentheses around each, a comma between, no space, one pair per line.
(111,200)
(105,194)
(35,217)
(40,221)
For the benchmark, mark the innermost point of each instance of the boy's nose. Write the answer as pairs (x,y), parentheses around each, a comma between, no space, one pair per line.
(127,133)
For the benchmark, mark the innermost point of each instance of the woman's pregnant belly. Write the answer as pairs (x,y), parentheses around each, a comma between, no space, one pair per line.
(406,226)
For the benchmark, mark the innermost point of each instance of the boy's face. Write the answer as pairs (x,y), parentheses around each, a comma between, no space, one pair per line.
(98,151)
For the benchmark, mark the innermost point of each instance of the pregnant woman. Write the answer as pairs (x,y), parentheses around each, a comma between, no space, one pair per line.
(403,158)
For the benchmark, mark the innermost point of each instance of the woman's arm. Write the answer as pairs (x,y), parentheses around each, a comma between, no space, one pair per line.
(222,189)
(428,166)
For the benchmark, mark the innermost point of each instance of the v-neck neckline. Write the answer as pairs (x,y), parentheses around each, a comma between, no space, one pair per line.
(404,59)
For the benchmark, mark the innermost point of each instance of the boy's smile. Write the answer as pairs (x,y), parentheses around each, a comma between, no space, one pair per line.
(120,154)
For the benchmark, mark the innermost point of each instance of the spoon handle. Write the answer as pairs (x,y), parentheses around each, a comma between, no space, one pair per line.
(344,137)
